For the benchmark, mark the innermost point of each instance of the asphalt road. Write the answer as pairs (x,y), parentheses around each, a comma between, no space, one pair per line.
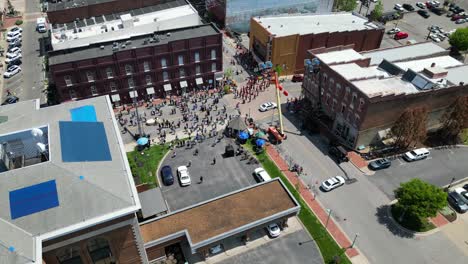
(284,249)
(30,82)
(359,208)
(438,169)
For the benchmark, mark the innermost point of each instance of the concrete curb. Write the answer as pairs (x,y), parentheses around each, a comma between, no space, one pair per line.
(416,234)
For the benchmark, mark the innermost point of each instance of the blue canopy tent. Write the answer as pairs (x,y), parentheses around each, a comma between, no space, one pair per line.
(260,142)
(242,137)
(142,141)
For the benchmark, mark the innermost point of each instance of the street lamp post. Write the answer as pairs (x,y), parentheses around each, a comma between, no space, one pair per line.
(354,240)
(328,217)
(450,184)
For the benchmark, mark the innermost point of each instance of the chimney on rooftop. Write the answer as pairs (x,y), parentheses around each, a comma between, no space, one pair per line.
(433,65)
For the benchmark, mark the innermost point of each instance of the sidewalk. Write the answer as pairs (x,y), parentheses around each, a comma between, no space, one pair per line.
(334,230)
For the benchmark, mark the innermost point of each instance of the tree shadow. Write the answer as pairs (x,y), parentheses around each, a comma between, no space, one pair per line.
(384,218)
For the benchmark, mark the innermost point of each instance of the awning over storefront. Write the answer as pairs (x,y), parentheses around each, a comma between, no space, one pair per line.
(199,81)
(183,84)
(133,94)
(167,87)
(115,98)
(150,90)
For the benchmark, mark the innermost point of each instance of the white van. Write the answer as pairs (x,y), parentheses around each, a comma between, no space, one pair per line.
(41,25)
(416,154)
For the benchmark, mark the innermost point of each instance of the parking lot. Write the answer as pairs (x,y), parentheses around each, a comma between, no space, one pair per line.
(227,175)
(439,168)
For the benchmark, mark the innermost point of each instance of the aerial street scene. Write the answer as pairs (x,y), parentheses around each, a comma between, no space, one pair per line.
(233,132)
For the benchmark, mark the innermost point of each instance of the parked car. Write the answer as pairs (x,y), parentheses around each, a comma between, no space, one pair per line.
(332,183)
(398,7)
(434,37)
(465,187)
(12,71)
(393,31)
(463,193)
(455,17)
(449,14)
(273,230)
(297,78)
(380,164)
(14,43)
(424,13)
(460,21)
(13,35)
(167,176)
(408,7)
(420,5)
(12,57)
(184,176)
(438,11)
(10,100)
(416,154)
(267,106)
(14,50)
(16,29)
(261,175)
(457,202)
(401,35)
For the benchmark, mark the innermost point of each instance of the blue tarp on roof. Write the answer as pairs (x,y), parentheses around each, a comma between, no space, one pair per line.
(83,141)
(85,113)
(33,199)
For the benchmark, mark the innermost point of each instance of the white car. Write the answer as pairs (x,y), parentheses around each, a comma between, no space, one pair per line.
(393,31)
(463,193)
(267,106)
(261,175)
(421,5)
(12,57)
(398,7)
(16,29)
(435,3)
(434,37)
(333,183)
(273,230)
(11,36)
(184,176)
(416,154)
(12,71)
(14,50)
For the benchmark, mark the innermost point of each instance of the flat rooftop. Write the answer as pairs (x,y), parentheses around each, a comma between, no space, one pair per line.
(401,53)
(213,219)
(148,40)
(339,56)
(67,4)
(112,27)
(85,176)
(286,25)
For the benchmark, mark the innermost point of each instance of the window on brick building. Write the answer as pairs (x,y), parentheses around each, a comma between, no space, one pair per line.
(148,79)
(100,251)
(68,80)
(327,102)
(70,255)
(90,76)
(348,115)
(356,119)
(72,94)
(131,83)
(109,73)
(361,104)
(347,91)
(213,66)
(197,69)
(332,84)
(113,86)
(146,66)
(163,62)
(353,100)
(338,89)
(128,69)
(343,108)
(325,79)
(333,104)
(165,76)
(197,56)
(93,89)
(181,72)
(213,54)
(181,59)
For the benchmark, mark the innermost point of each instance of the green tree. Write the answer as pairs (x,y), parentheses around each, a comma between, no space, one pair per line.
(455,119)
(410,127)
(376,14)
(420,199)
(345,5)
(459,39)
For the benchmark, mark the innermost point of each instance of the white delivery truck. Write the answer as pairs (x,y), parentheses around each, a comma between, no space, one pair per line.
(41,25)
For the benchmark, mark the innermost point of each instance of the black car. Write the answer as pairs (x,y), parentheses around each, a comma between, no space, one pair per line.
(408,7)
(457,202)
(379,164)
(167,176)
(465,187)
(423,13)
(438,11)
(10,100)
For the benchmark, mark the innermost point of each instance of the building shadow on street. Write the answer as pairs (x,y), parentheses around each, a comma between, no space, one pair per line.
(384,218)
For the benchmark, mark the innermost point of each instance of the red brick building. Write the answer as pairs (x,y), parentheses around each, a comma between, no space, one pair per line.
(145,67)
(365,93)
(68,11)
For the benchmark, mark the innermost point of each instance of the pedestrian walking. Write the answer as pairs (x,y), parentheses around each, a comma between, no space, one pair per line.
(201,179)
(214,161)
(174,154)
(189,163)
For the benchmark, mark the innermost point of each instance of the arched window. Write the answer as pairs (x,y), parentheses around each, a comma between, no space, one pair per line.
(99,251)
(69,255)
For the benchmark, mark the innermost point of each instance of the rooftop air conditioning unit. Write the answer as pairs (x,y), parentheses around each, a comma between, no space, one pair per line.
(102,47)
(128,42)
(123,46)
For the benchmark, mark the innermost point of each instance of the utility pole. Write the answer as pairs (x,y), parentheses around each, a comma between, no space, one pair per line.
(278,103)
(354,240)
(140,132)
(328,218)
